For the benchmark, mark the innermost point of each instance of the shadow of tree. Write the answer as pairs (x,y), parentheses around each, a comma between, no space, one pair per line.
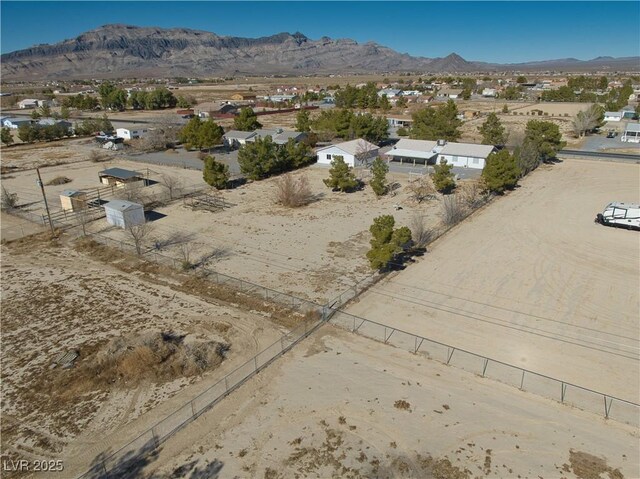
(127,465)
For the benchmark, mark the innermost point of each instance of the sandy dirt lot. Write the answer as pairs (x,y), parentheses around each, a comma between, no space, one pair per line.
(314,252)
(344,406)
(533,281)
(56,299)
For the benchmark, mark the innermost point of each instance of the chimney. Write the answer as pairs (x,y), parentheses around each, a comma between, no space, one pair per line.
(442,142)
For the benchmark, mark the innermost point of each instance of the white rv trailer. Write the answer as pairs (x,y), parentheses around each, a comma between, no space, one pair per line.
(621,215)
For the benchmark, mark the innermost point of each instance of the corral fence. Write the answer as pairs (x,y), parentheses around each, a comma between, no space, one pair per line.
(566,393)
(119,463)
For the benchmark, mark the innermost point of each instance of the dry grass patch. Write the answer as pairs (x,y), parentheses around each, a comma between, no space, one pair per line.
(293,192)
(58,180)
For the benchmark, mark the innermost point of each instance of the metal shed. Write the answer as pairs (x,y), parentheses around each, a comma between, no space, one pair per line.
(124,214)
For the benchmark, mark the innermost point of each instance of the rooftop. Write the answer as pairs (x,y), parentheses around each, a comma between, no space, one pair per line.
(121,205)
(120,173)
(633,127)
(353,147)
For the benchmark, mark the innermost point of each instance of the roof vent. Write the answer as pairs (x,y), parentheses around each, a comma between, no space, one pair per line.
(442,142)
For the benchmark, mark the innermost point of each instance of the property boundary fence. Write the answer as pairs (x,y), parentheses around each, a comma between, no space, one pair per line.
(566,393)
(116,465)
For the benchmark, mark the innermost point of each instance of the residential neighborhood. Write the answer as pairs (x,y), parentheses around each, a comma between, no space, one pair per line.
(320,240)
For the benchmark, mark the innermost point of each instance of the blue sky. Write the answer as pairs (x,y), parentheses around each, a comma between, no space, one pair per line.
(484,31)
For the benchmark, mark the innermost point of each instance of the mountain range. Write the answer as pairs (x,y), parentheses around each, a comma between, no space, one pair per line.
(129,51)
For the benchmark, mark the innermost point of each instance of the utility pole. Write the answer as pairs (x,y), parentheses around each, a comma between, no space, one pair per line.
(44,197)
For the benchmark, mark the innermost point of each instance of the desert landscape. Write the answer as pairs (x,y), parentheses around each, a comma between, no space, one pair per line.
(344,406)
(531,281)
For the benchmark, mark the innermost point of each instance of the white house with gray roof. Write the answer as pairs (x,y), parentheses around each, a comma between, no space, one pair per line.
(466,155)
(356,152)
(631,133)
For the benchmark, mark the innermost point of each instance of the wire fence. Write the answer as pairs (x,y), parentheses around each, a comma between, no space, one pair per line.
(566,393)
(119,463)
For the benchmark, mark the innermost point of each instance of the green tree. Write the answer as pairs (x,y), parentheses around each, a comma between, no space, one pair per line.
(466,94)
(246,120)
(443,177)
(45,110)
(505,108)
(402,102)
(215,173)
(35,115)
(546,138)
(6,137)
(64,112)
(384,103)
(379,169)
(493,133)
(386,242)
(440,123)
(341,177)
(28,133)
(209,134)
(257,159)
(511,93)
(303,122)
(521,79)
(501,172)
(189,135)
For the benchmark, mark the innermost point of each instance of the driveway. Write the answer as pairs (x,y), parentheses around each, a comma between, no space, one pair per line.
(187,159)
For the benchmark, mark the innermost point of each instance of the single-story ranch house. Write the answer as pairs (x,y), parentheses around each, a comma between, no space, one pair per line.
(467,155)
(355,152)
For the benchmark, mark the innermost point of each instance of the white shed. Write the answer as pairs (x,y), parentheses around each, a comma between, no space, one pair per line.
(128,134)
(124,214)
(354,152)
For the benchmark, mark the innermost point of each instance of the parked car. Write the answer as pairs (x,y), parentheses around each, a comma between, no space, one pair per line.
(611,134)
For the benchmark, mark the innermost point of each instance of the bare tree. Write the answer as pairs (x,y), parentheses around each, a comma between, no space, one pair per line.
(586,120)
(131,192)
(185,253)
(452,211)
(8,200)
(83,217)
(172,184)
(138,234)
(473,194)
(293,192)
(422,189)
(420,233)
(364,153)
(162,135)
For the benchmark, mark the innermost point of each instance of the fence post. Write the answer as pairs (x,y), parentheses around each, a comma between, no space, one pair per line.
(193,409)
(522,380)
(104,468)
(255,362)
(563,389)
(226,384)
(155,437)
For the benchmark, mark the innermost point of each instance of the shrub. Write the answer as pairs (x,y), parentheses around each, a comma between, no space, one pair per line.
(443,178)
(58,180)
(452,211)
(292,192)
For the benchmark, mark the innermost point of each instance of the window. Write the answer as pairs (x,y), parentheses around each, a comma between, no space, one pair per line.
(328,157)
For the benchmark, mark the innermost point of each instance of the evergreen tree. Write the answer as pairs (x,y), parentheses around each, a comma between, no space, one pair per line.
(246,120)
(439,123)
(493,133)
(258,159)
(501,172)
(303,122)
(384,103)
(379,169)
(215,174)
(546,137)
(190,133)
(6,137)
(209,134)
(64,112)
(443,177)
(341,177)
(385,241)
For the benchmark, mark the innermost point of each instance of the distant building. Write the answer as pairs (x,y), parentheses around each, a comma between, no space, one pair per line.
(243,97)
(278,135)
(613,116)
(390,92)
(14,123)
(449,93)
(28,103)
(631,133)
(236,138)
(128,134)
(211,109)
(489,92)
(354,153)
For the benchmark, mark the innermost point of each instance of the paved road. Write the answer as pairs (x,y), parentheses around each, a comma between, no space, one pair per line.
(628,157)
